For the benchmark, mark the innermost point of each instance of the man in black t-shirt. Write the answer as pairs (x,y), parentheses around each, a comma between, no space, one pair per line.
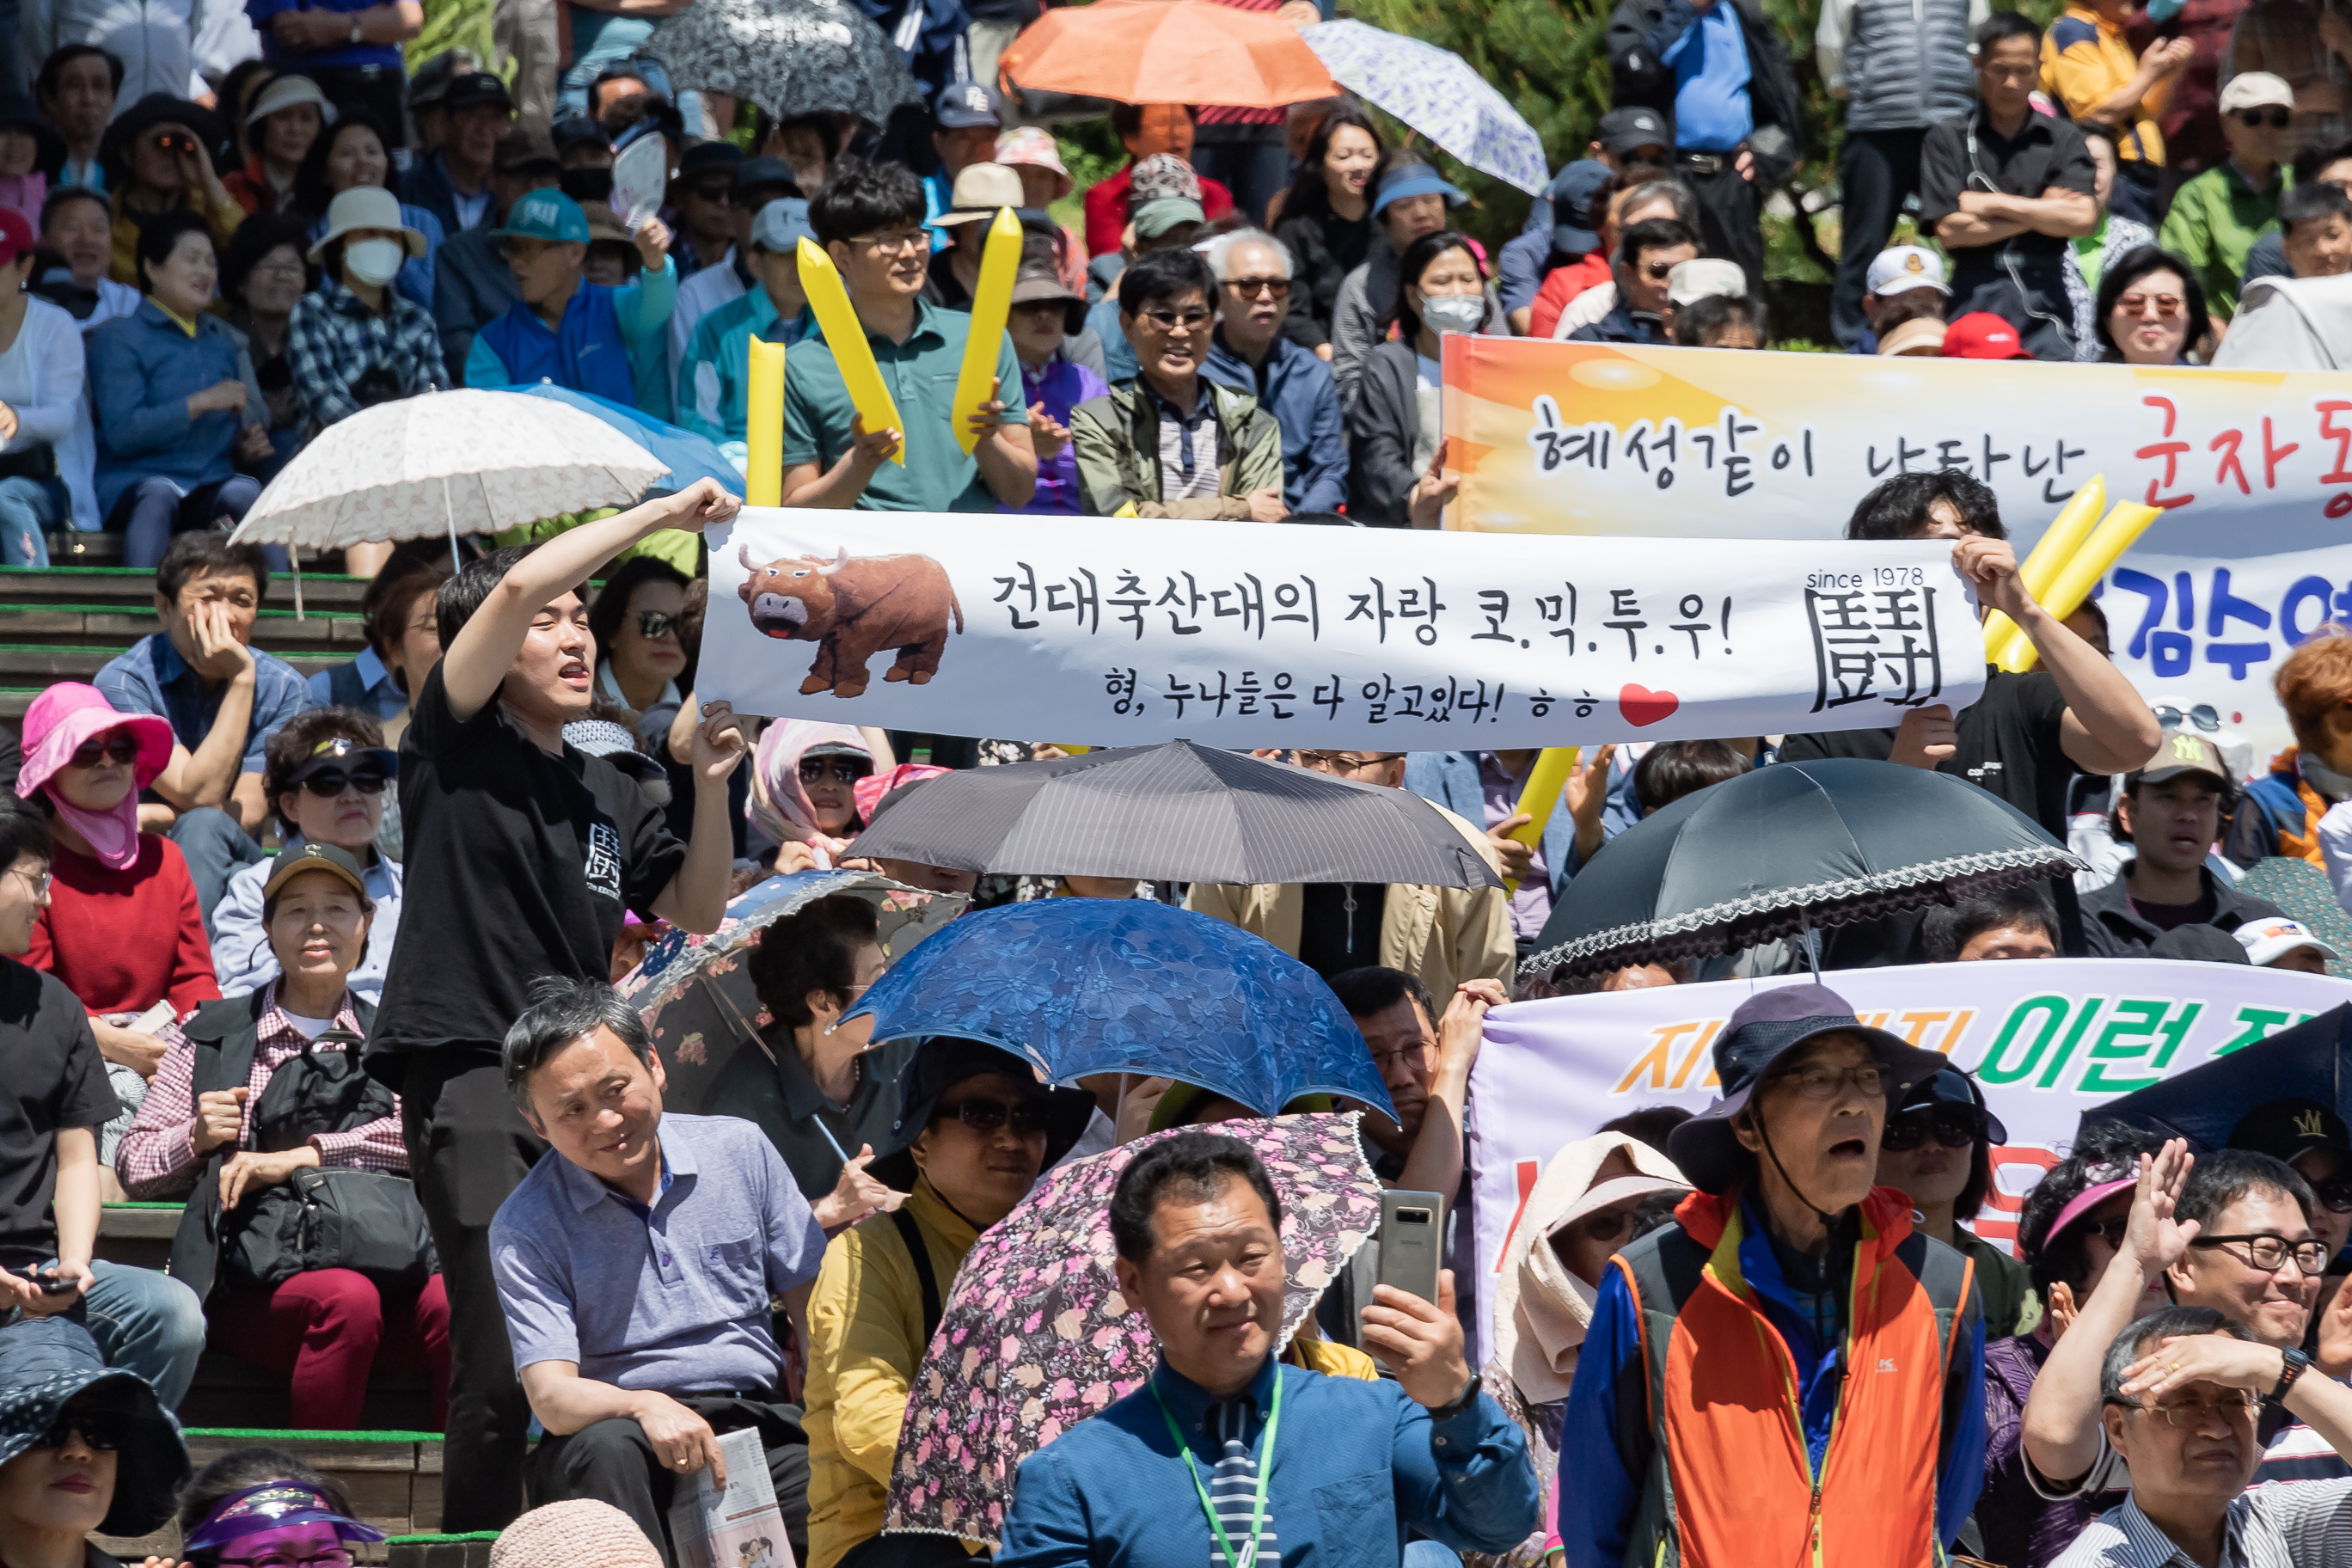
(2028,734)
(2170,813)
(522,855)
(2004,188)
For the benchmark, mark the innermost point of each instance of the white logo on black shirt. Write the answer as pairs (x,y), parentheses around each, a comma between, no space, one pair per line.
(603,870)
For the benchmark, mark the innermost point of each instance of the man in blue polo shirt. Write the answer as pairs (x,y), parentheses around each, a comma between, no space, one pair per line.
(222,699)
(564,329)
(636,1264)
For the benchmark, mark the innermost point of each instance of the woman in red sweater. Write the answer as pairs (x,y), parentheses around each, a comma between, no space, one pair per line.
(122,928)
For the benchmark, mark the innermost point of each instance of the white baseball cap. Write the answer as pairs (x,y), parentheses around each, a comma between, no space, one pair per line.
(2253,90)
(1905,267)
(1704,278)
(2269,939)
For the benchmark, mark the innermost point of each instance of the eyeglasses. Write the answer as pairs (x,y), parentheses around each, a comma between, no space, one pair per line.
(1823,1084)
(1953,1126)
(329,783)
(2230,1405)
(2111,1230)
(655,625)
(2269,1254)
(174,141)
(915,239)
(985,1116)
(327,1557)
(40,882)
(279,269)
(2165,306)
(1176,320)
(2335,1194)
(1345,762)
(847,770)
(1251,287)
(2275,117)
(1659,269)
(101,1431)
(113,748)
(2204,716)
(1384,1060)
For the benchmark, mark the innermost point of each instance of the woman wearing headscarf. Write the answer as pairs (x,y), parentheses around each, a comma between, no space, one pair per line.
(123,928)
(1594,1196)
(84,1449)
(803,782)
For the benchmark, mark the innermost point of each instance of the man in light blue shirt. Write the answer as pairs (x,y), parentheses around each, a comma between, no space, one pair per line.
(636,1265)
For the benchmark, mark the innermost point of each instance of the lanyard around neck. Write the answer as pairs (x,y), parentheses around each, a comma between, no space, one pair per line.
(1265,1460)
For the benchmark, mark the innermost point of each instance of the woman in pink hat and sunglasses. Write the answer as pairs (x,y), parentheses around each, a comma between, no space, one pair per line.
(122,928)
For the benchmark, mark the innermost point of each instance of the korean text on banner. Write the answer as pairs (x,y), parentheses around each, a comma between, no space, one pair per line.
(2252,471)
(2047,1039)
(1239,635)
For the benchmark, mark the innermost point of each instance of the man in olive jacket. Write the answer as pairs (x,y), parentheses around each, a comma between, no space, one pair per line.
(1170,443)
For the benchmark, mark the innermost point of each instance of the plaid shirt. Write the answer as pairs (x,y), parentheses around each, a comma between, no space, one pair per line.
(335,342)
(158,1158)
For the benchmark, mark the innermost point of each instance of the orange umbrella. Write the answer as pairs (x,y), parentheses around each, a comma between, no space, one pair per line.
(1169,51)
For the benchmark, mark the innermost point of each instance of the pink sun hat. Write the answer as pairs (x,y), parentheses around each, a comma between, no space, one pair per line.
(62,719)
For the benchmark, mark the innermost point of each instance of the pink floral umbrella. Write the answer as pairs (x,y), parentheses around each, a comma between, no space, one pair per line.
(1035,1336)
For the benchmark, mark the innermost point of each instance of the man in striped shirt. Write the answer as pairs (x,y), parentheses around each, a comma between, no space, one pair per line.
(2181,1392)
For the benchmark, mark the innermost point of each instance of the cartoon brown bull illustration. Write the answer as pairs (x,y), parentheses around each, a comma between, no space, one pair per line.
(853,610)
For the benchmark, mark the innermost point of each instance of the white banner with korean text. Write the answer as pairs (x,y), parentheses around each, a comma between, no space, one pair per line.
(2047,1040)
(1111,633)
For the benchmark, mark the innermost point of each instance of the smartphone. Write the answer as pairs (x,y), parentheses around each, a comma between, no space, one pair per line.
(1413,1241)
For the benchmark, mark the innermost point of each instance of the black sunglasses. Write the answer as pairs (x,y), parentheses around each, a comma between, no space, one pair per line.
(329,783)
(2335,1195)
(848,769)
(986,1116)
(655,625)
(1954,1127)
(103,1431)
(2276,118)
(113,748)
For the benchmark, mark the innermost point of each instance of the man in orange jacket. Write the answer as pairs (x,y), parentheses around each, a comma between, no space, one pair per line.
(1792,1374)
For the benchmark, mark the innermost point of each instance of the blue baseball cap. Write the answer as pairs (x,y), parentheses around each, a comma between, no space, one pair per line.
(782,225)
(1415,180)
(545,215)
(1576,209)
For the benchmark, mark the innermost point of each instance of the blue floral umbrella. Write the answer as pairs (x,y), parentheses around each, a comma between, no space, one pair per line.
(1438,93)
(1093,985)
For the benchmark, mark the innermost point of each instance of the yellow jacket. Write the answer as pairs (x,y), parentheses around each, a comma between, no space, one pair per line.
(865,1340)
(1442,936)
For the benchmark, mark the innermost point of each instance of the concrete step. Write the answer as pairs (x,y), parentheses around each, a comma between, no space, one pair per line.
(46,663)
(278,631)
(393,1477)
(135,586)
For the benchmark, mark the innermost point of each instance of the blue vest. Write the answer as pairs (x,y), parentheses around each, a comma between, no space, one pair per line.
(588,355)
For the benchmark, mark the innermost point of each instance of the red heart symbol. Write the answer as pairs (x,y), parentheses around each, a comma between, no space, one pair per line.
(1642,706)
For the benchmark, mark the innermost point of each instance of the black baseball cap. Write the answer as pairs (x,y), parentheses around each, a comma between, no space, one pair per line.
(314,856)
(704,156)
(2284,1129)
(474,90)
(753,173)
(1623,130)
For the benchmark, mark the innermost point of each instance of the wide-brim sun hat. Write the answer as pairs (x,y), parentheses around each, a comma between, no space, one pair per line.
(1760,1031)
(70,713)
(366,206)
(44,1365)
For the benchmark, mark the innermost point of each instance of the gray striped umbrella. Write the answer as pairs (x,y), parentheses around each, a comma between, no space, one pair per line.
(1177,812)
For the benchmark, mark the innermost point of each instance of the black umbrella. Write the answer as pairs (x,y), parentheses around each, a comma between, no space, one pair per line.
(2204,1103)
(1793,847)
(1177,812)
(789,57)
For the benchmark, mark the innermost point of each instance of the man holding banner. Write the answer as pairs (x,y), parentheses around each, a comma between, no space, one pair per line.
(1681,1426)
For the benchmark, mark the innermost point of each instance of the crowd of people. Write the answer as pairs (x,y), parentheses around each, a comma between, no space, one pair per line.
(204,276)
(270,943)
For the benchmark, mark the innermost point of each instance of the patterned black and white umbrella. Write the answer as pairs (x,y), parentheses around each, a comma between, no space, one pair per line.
(789,57)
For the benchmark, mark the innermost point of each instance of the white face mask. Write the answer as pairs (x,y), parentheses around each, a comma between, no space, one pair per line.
(1444,313)
(375,262)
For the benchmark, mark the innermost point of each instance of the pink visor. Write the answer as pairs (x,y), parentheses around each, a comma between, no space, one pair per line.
(2085,1202)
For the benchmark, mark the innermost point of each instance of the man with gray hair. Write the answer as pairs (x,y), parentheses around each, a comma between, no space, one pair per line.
(1249,353)
(636,1265)
(2181,1390)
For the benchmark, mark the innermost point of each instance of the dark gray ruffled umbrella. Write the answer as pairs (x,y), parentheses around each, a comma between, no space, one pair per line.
(789,57)
(1790,847)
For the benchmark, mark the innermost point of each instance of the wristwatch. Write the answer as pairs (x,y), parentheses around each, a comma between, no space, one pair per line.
(2293,1365)
(1469,1396)
(357,36)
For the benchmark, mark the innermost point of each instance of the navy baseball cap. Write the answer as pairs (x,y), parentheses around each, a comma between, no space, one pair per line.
(968,103)
(1577,204)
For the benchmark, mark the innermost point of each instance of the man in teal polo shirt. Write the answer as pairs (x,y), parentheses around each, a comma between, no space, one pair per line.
(870,220)
(714,375)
